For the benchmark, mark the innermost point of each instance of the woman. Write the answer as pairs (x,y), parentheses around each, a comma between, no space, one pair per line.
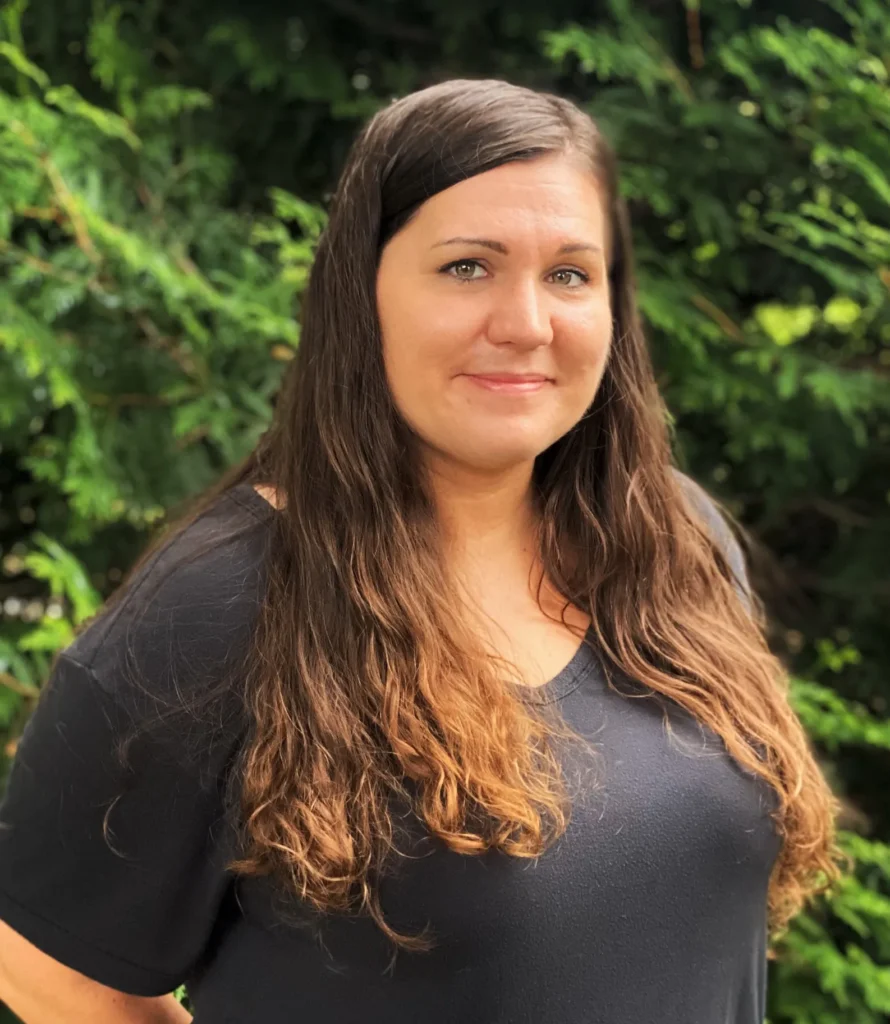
(454,666)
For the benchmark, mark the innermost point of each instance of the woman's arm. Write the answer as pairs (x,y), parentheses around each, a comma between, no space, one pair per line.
(40,990)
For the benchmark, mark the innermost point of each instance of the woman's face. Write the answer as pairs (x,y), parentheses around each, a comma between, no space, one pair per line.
(479,282)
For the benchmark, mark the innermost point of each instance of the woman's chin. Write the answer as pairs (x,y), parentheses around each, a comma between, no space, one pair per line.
(492,457)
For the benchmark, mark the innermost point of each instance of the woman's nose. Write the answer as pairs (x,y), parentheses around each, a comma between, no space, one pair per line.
(520,314)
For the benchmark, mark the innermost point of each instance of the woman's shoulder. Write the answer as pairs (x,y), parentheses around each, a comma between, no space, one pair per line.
(713,515)
(187,614)
(707,508)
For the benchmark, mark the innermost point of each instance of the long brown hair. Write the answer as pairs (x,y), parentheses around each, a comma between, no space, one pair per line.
(365,674)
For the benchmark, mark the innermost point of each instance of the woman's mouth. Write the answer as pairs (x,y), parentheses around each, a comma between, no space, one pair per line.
(507,384)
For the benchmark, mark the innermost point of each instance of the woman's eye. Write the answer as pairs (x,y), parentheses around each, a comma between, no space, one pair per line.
(474,264)
(579,274)
(462,263)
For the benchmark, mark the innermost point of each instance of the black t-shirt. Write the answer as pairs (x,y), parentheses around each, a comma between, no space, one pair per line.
(650,909)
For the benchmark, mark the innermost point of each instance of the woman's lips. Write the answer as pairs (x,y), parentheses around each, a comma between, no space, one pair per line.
(506,385)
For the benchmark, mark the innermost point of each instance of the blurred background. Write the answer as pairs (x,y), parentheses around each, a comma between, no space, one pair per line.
(164,174)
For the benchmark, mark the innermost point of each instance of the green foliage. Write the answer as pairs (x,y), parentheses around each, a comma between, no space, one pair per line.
(820,980)
(164,172)
(140,310)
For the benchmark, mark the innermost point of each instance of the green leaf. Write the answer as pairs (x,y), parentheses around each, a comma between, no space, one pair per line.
(66,576)
(68,99)
(786,324)
(21,63)
(842,312)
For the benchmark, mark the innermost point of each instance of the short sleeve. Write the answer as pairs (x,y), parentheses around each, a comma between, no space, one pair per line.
(132,907)
(119,871)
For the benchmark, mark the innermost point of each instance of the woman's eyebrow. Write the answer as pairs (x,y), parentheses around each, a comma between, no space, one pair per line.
(499,247)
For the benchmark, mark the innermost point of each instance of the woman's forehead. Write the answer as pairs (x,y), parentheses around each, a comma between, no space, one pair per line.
(555,200)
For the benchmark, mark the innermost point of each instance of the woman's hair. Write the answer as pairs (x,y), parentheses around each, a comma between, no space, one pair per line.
(366,681)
